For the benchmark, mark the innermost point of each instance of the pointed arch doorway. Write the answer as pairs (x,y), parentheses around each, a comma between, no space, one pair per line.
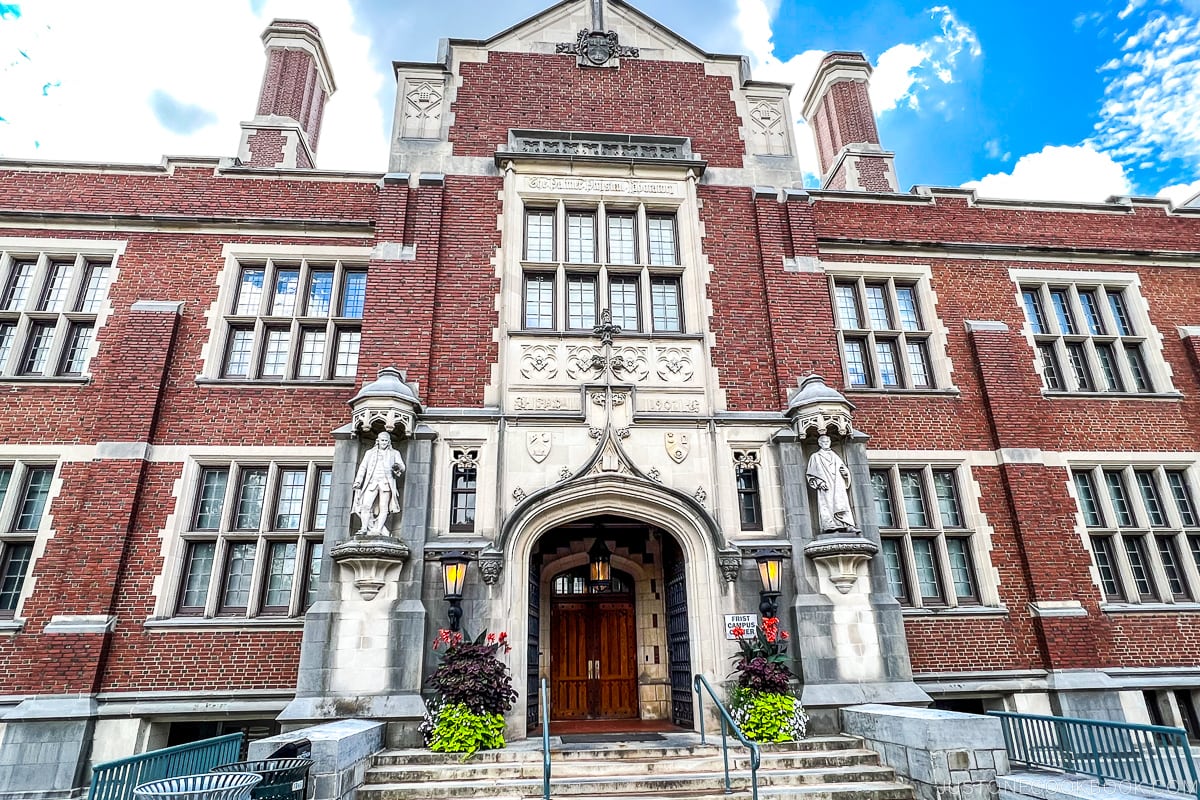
(617,650)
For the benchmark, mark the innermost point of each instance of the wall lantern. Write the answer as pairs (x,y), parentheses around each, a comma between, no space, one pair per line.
(770,572)
(454,573)
(599,567)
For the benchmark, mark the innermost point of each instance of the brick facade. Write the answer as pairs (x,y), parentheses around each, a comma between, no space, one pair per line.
(434,246)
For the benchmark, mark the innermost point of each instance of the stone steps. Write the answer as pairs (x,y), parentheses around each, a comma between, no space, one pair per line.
(820,768)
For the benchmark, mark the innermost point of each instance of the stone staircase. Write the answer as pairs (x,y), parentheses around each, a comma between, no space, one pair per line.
(817,768)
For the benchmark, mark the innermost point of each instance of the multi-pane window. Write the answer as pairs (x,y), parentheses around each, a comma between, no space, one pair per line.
(1144,531)
(294,320)
(49,305)
(24,494)
(928,556)
(1086,338)
(253,543)
(463,481)
(885,336)
(746,463)
(624,259)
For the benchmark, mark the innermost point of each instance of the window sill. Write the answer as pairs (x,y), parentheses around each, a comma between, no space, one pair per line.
(957,611)
(588,334)
(1161,396)
(952,391)
(1150,608)
(192,624)
(52,380)
(10,627)
(240,383)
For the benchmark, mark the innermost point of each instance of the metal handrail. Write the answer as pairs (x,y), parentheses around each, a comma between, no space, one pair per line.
(115,780)
(727,720)
(545,740)
(1148,755)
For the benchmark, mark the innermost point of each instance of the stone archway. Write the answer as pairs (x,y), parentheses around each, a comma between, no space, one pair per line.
(696,534)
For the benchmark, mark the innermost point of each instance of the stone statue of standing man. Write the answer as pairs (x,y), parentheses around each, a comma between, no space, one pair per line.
(827,473)
(375,494)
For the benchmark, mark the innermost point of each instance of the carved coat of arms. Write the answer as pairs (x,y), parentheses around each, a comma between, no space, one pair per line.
(538,445)
(677,446)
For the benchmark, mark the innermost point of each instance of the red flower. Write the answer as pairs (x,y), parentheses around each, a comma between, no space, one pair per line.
(784,635)
(738,631)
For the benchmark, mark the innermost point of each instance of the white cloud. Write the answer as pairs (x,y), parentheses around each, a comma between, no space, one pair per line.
(86,88)
(1181,193)
(900,74)
(1151,110)
(753,21)
(1078,173)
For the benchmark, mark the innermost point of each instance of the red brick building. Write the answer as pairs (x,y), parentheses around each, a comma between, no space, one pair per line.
(197,357)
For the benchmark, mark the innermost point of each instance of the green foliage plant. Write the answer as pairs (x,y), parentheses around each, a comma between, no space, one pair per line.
(458,729)
(762,703)
(474,690)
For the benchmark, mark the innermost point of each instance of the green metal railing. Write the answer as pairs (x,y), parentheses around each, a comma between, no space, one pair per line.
(1146,755)
(115,780)
(727,724)
(545,740)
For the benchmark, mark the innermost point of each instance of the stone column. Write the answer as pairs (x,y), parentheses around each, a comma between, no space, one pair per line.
(850,641)
(361,655)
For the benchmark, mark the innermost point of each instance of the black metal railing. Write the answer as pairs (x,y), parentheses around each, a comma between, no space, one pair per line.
(545,740)
(727,725)
(1146,755)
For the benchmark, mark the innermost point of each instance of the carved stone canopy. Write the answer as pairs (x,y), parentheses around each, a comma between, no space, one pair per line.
(817,407)
(389,399)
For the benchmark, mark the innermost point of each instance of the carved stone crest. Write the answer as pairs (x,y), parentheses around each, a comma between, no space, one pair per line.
(538,444)
(675,364)
(596,48)
(677,445)
(539,360)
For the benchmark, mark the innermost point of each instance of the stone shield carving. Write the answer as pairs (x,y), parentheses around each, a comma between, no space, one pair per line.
(538,444)
(677,445)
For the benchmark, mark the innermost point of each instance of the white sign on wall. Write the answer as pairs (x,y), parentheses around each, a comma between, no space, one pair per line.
(747,622)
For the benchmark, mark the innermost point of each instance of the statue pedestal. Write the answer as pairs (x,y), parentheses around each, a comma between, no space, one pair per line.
(838,558)
(371,559)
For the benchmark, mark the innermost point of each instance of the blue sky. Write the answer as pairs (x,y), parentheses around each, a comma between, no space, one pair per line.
(1064,99)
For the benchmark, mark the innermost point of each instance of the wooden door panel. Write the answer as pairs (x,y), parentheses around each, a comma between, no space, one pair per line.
(569,661)
(617,661)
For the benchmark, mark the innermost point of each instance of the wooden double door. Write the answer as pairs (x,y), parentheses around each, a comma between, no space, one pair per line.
(593,658)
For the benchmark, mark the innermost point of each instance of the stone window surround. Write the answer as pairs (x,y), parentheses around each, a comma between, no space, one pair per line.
(1138,307)
(21,460)
(212,356)
(485,486)
(920,276)
(180,531)
(1129,464)
(672,195)
(975,529)
(769,500)
(45,250)
(601,270)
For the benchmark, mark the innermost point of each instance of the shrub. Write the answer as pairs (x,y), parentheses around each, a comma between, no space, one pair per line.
(471,674)
(768,716)
(458,729)
(762,662)
(474,691)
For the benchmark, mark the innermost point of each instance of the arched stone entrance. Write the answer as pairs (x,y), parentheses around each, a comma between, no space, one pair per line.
(667,545)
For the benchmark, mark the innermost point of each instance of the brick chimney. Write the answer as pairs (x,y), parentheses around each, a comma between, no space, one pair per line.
(297,82)
(838,109)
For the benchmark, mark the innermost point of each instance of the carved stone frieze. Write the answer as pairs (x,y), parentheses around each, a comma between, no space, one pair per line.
(539,361)
(585,362)
(674,365)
